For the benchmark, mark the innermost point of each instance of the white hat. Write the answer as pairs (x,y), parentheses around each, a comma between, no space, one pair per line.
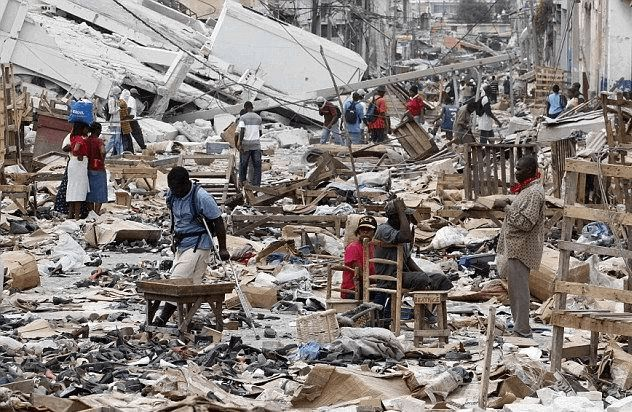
(361,92)
(320,100)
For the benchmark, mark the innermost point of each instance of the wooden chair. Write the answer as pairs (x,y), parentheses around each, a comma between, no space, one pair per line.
(343,304)
(395,294)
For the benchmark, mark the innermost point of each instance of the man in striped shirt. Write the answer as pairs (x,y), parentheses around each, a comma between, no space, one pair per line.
(249,145)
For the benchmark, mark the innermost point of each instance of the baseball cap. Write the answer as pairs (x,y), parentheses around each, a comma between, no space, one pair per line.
(361,92)
(368,222)
(134,92)
(320,100)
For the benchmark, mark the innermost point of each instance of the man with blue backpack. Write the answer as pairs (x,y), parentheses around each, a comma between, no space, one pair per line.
(353,115)
(195,216)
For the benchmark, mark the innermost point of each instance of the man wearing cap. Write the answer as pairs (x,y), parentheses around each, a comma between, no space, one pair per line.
(397,230)
(354,254)
(380,125)
(330,121)
(135,109)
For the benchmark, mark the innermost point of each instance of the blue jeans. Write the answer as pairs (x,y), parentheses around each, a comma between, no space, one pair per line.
(115,142)
(245,158)
(356,137)
(335,130)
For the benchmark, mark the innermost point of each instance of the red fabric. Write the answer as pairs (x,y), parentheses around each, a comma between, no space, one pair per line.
(415,105)
(354,257)
(517,188)
(79,146)
(379,122)
(96,160)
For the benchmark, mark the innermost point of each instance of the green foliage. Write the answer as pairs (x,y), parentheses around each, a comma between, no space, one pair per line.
(473,11)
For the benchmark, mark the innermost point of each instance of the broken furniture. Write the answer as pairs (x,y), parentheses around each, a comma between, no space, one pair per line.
(19,195)
(127,175)
(188,299)
(218,178)
(243,224)
(595,321)
(396,294)
(341,304)
(490,168)
(423,300)
(415,140)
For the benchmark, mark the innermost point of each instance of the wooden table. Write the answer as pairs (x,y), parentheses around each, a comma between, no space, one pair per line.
(188,299)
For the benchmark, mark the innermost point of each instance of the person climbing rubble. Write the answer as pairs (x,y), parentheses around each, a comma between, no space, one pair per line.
(397,230)
(354,255)
(331,119)
(194,213)
(521,241)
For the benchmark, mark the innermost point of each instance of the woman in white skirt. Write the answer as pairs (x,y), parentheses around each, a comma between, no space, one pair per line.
(78,183)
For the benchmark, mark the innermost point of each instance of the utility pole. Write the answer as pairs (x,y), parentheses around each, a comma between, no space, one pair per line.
(316,17)
(393,36)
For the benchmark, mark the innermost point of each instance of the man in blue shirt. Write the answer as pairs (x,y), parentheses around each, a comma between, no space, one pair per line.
(354,107)
(189,205)
(448,115)
(555,103)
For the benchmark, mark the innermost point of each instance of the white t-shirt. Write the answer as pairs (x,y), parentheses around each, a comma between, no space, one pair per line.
(484,121)
(251,123)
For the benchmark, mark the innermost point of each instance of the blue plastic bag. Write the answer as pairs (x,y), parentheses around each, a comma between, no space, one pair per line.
(81,112)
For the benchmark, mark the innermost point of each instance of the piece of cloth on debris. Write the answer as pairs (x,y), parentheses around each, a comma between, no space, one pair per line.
(372,343)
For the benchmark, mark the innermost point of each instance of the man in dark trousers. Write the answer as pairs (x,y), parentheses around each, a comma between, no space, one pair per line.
(493,85)
(190,206)
(521,241)
(396,231)
(249,144)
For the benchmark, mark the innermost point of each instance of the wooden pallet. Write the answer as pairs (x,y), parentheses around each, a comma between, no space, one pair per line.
(490,168)
(545,78)
(593,321)
(415,140)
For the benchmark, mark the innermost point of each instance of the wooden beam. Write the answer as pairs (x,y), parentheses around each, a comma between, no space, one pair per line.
(597,250)
(596,292)
(607,216)
(592,323)
(594,168)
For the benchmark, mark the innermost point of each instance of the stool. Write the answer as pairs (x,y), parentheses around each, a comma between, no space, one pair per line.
(421,331)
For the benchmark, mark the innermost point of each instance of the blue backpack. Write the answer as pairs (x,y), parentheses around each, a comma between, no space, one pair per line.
(371,112)
(193,206)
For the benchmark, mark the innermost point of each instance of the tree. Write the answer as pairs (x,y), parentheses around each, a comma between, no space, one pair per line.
(473,11)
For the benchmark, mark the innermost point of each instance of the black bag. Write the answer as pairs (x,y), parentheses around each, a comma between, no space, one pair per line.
(351,114)
(338,114)
(371,112)
(563,101)
(480,109)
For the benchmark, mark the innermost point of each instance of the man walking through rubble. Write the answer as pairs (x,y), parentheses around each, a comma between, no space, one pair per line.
(379,124)
(397,231)
(331,118)
(521,241)
(190,207)
(353,114)
(249,144)
(485,116)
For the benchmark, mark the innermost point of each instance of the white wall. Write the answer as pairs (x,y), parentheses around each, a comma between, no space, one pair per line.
(618,39)
(288,58)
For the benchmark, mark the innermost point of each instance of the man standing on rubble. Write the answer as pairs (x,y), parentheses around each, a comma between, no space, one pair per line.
(485,116)
(331,119)
(397,231)
(521,241)
(379,124)
(462,128)
(114,117)
(353,114)
(135,109)
(249,144)
(191,206)
(555,102)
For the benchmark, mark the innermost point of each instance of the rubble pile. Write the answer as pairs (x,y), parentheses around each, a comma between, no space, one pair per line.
(76,326)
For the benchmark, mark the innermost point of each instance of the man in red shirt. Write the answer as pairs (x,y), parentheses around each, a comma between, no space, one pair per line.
(354,254)
(380,125)
(415,105)
(330,121)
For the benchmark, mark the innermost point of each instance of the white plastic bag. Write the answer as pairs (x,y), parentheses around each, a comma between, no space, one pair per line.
(448,236)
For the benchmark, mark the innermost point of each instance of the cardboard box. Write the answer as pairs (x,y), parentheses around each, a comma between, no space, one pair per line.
(541,280)
(22,272)
(123,198)
(260,297)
